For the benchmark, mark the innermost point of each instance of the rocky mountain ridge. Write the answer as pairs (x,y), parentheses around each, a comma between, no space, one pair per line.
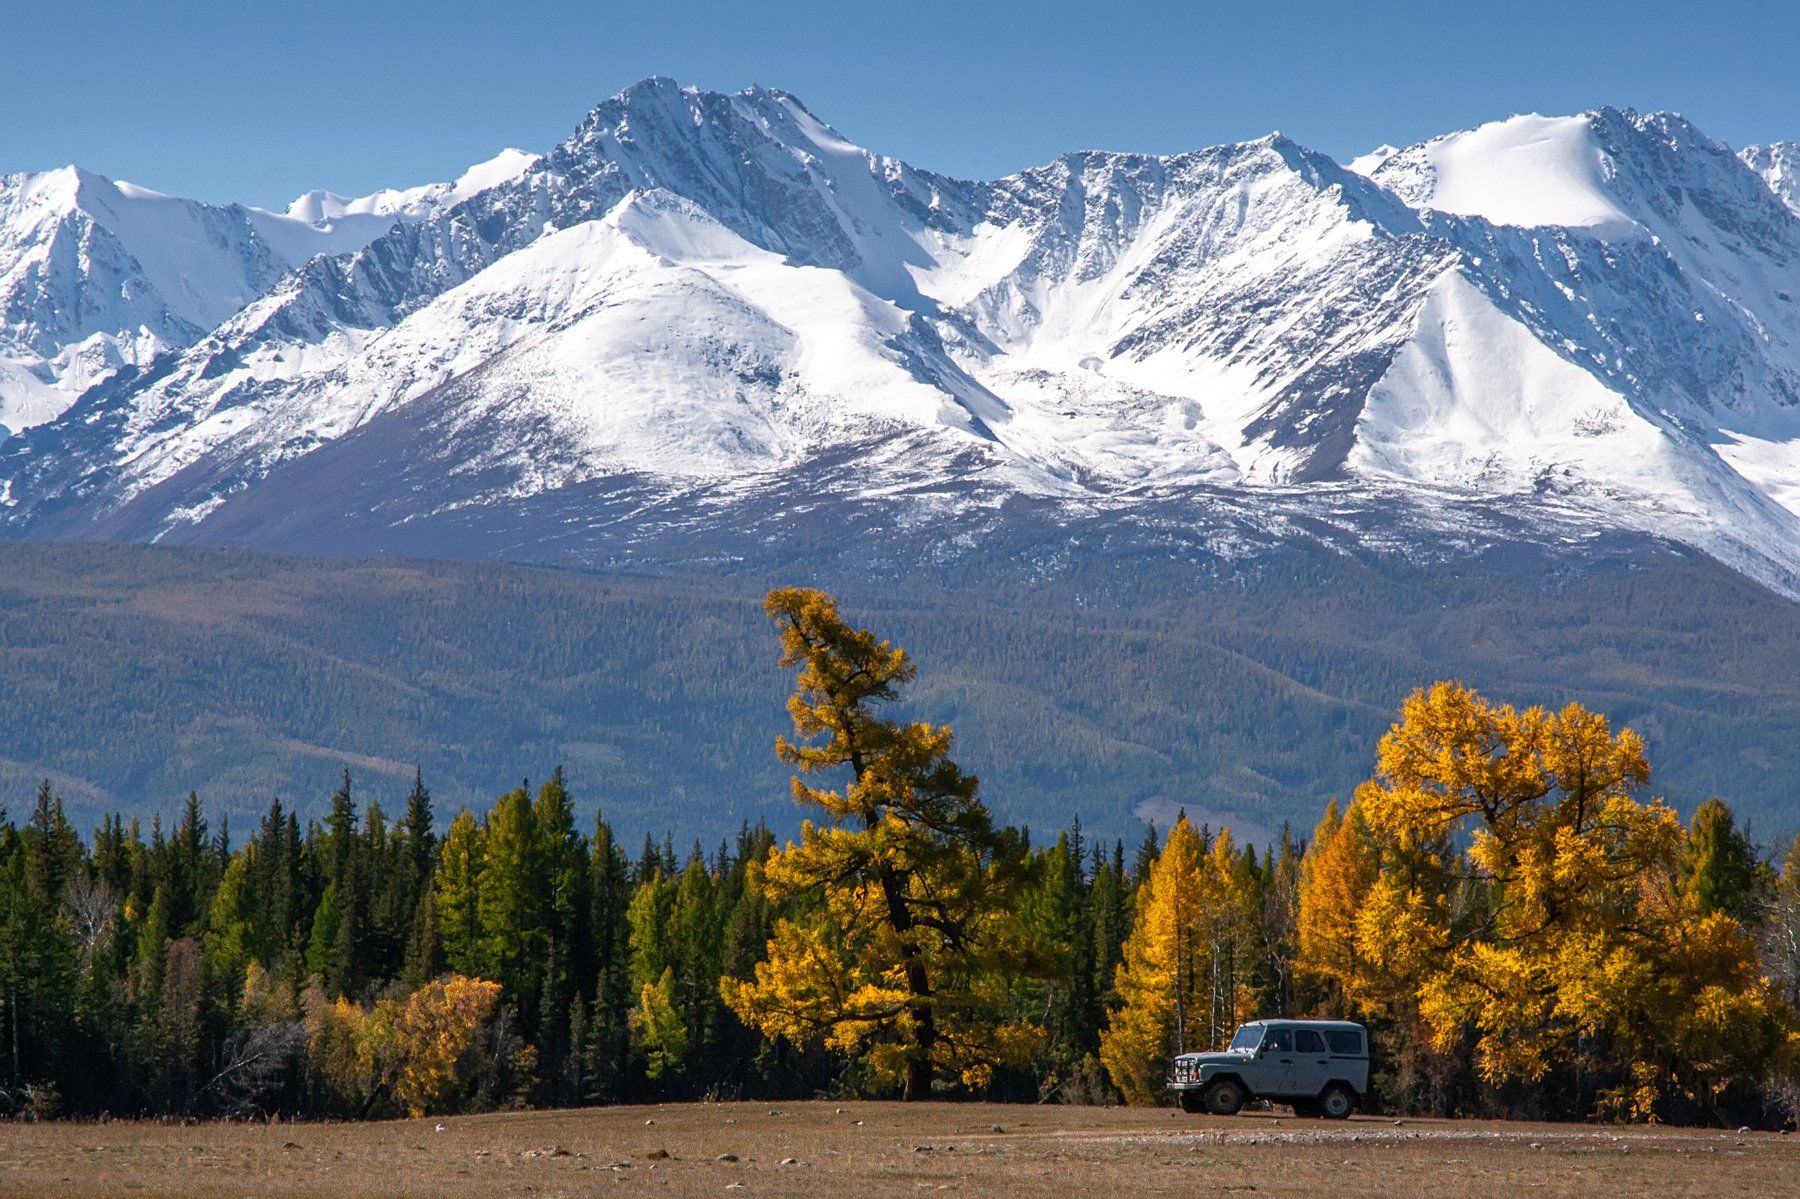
(707,311)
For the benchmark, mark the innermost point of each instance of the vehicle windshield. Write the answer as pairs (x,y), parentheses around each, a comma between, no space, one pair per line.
(1247,1038)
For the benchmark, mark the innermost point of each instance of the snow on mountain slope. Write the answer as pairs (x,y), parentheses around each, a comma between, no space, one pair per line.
(1477,404)
(1779,165)
(652,339)
(343,224)
(1365,164)
(1682,300)
(97,274)
(320,207)
(1253,288)
(1578,321)
(1652,366)
(1528,170)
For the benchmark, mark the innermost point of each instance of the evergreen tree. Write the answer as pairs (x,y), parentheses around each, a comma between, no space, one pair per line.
(565,869)
(457,898)
(424,959)
(608,1047)
(693,934)
(37,960)
(1109,900)
(1718,864)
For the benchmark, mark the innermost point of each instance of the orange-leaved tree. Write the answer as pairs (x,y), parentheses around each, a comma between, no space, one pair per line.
(405,1050)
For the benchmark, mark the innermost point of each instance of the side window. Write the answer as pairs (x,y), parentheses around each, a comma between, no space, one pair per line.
(1345,1043)
(1279,1040)
(1308,1041)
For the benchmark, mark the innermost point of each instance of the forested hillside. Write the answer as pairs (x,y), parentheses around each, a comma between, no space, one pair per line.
(1521,932)
(1138,684)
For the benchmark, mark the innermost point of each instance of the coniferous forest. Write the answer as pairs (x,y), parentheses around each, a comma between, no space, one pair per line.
(1523,930)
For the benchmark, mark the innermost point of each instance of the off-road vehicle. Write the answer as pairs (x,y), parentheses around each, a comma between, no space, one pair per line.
(1319,1067)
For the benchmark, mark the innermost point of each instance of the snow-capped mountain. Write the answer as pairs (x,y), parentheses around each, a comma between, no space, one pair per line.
(701,305)
(97,274)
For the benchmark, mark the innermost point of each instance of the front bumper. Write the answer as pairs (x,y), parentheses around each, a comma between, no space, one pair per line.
(1185,1076)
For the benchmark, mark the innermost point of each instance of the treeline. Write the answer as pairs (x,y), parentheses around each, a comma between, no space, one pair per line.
(181,973)
(1521,933)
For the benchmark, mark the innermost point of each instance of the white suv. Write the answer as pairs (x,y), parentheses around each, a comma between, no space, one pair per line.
(1320,1067)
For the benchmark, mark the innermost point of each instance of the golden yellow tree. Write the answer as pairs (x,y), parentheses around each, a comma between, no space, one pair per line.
(1177,986)
(904,933)
(1559,920)
(1337,874)
(410,1047)
(405,1050)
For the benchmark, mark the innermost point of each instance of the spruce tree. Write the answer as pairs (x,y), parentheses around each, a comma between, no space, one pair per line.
(1718,864)
(608,1046)
(565,868)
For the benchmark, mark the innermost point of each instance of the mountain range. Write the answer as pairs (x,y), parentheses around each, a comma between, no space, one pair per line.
(705,327)
(697,297)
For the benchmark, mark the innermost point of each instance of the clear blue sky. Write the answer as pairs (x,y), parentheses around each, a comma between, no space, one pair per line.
(257,100)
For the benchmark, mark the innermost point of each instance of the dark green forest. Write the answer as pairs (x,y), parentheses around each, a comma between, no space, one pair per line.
(1247,693)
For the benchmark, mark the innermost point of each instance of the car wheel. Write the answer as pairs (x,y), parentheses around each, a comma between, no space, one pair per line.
(1337,1102)
(1192,1102)
(1225,1098)
(1307,1108)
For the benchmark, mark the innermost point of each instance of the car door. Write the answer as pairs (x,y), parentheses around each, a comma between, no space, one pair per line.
(1274,1062)
(1311,1068)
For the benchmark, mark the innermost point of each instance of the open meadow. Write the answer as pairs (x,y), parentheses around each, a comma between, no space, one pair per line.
(886,1149)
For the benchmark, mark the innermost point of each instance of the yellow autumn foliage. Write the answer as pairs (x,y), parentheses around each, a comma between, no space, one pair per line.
(903,934)
(1177,986)
(1499,877)
(405,1050)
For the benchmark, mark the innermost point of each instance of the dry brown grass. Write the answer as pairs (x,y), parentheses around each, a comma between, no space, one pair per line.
(865,1150)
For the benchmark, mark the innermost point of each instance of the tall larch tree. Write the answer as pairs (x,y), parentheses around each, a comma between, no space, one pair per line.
(1164,986)
(912,938)
(457,893)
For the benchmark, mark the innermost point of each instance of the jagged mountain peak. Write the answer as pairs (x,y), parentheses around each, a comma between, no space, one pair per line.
(99,274)
(1552,314)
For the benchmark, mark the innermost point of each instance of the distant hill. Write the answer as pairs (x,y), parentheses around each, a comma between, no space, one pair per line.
(1249,691)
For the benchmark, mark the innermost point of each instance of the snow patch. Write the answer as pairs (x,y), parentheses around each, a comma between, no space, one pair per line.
(1526,170)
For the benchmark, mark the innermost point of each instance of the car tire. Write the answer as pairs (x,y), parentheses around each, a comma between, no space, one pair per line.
(1192,1102)
(1307,1109)
(1225,1098)
(1337,1101)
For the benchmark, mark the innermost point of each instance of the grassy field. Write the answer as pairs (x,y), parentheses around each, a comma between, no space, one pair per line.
(879,1149)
